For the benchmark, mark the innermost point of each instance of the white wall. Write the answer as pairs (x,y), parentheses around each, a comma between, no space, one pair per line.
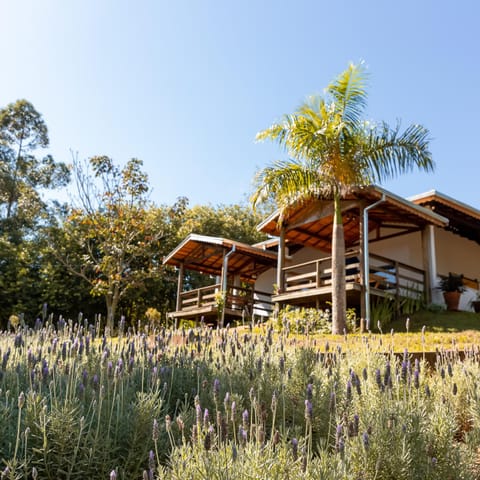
(456,254)
(405,248)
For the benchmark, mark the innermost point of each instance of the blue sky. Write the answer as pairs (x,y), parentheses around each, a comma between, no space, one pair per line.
(185,85)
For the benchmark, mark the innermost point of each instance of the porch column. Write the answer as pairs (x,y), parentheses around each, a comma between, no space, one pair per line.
(281,261)
(429,261)
(180,286)
(361,268)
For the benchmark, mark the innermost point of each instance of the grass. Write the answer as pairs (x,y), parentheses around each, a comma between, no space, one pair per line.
(428,331)
(440,322)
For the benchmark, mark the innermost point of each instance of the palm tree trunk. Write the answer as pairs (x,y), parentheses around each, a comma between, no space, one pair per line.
(339,298)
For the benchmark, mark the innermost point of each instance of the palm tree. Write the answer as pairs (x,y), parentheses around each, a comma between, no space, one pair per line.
(332,149)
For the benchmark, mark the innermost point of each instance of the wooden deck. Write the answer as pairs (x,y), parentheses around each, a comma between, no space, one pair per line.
(311,282)
(238,302)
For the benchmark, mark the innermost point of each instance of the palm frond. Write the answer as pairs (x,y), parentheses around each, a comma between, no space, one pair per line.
(288,183)
(349,93)
(388,152)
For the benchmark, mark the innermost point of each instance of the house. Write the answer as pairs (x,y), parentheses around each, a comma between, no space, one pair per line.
(394,247)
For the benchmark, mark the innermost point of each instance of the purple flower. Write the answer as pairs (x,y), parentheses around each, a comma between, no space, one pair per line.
(416,379)
(245,419)
(206,418)
(356,422)
(427,391)
(18,342)
(234,452)
(387,375)
(404,371)
(348,393)
(365,440)
(295,448)
(198,413)
(308,410)
(216,388)
(309,391)
(113,475)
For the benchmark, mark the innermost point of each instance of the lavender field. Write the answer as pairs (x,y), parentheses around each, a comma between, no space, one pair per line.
(230,404)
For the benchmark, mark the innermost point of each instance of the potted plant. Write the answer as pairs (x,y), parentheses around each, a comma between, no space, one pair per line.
(452,288)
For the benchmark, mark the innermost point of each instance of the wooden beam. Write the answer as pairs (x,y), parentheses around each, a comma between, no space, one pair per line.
(324,212)
(180,287)
(361,254)
(281,261)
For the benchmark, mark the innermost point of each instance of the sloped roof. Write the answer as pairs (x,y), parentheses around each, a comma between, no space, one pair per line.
(205,254)
(312,224)
(464,220)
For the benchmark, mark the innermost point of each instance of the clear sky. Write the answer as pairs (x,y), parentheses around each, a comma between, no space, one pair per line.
(185,85)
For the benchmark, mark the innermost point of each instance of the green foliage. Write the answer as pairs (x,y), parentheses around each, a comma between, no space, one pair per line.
(114,236)
(382,311)
(310,320)
(412,301)
(303,320)
(23,213)
(237,222)
(204,403)
(452,283)
(22,132)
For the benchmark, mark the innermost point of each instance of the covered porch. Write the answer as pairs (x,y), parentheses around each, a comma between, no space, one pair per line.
(371,216)
(311,282)
(233,268)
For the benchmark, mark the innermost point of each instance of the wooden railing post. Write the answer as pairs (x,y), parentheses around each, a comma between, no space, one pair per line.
(281,261)
(180,287)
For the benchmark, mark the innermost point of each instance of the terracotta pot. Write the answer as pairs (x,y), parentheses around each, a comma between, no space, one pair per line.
(452,299)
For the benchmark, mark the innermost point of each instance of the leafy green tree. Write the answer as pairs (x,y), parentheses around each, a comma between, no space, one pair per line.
(23,177)
(110,239)
(333,149)
(22,174)
(237,222)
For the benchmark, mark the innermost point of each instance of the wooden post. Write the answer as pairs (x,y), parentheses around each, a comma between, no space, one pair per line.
(180,287)
(361,268)
(281,261)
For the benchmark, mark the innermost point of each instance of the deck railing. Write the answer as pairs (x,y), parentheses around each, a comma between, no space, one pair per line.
(384,274)
(238,300)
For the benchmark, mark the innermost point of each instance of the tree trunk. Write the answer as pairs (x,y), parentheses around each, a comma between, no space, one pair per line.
(339,298)
(112,304)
